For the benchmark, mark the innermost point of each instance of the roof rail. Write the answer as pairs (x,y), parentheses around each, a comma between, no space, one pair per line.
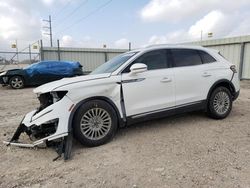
(176,45)
(155,45)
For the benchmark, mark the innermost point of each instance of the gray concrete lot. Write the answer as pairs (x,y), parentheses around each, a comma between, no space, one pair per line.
(187,150)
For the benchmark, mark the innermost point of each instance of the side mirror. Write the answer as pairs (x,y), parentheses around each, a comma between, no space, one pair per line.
(138,68)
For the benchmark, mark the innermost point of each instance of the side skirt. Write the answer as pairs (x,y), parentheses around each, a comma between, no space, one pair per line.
(190,107)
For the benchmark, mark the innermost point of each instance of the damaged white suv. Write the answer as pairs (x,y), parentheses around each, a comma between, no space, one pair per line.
(138,85)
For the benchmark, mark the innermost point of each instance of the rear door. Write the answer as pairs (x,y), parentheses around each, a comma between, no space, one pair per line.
(193,78)
(149,91)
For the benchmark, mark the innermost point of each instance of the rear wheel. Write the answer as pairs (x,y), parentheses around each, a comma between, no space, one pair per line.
(95,123)
(220,103)
(16,82)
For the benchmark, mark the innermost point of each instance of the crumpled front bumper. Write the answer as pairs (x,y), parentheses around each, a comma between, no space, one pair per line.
(59,111)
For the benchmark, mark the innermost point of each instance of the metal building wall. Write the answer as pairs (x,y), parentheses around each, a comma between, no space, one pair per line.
(90,58)
(246,65)
(235,49)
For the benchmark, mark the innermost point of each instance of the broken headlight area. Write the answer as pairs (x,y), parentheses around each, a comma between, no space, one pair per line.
(47,99)
(5,79)
(39,132)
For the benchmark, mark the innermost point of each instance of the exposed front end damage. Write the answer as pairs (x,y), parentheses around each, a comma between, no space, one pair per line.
(51,122)
(48,124)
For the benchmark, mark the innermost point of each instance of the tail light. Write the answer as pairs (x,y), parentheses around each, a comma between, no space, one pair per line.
(233,68)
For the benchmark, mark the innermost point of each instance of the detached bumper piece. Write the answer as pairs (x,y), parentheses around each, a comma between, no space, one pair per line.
(62,145)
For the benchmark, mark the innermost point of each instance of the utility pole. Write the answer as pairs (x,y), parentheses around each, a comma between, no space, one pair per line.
(30,53)
(201,35)
(17,52)
(50,30)
(129,46)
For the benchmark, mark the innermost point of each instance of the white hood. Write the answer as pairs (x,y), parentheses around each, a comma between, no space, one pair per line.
(65,81)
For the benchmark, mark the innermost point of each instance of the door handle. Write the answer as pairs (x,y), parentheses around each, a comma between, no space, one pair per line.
(206,74)
(166,79)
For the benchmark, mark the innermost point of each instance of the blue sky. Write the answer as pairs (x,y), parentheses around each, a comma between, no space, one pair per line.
(140,22)
(118,19)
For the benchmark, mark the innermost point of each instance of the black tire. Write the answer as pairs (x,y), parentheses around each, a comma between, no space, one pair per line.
(216,108)
(16,82)
(97,125)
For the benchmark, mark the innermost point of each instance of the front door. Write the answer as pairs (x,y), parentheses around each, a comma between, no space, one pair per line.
(149,91)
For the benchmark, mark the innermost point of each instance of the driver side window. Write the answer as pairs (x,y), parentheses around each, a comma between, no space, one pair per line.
(156,59)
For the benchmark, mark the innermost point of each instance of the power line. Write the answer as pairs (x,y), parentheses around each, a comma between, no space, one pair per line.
(61,10)
(86,16)
(72,12)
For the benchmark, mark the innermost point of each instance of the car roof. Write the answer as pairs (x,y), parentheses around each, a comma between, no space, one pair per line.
(55,61)
(170,46)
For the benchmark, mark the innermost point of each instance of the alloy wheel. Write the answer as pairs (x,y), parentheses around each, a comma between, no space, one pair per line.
(221,102)
(16,82)
(95,123)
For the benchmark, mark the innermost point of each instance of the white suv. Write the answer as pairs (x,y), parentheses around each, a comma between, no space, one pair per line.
(138,85)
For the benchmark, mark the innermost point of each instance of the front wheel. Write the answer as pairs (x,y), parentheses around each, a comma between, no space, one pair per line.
(220,103)
(16,82)
(95,123)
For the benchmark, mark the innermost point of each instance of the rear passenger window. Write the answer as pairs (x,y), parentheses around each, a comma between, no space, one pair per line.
(206,58)
(154,60)
(185,57)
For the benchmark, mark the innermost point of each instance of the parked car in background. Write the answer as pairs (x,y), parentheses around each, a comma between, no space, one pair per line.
(40,73)
(142,84)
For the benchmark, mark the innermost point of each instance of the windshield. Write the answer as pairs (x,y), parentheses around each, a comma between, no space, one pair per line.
(113,64)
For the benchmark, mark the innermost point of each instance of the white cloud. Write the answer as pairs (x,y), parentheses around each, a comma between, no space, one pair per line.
(121,43)
(48,2)
(84,42)
(212,22)
(9,27)
(18,22)
(178,10)
(169,38)
(67,41)
(217,22)
(155,39)
(159,10)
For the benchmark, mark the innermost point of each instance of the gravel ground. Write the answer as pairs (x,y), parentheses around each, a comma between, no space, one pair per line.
(188,150)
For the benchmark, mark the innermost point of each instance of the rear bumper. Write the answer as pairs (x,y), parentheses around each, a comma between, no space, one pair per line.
(236,95)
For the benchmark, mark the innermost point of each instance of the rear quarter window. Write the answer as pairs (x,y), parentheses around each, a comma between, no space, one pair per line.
(206,58)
